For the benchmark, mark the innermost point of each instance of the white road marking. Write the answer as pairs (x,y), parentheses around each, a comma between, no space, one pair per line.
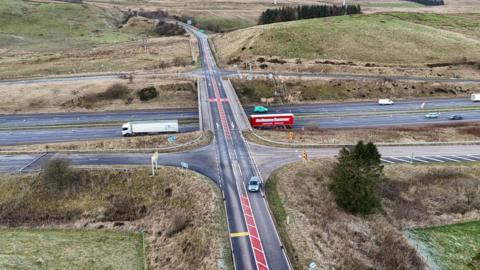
(434,159)
(447,158)
(464,158)
(384,160)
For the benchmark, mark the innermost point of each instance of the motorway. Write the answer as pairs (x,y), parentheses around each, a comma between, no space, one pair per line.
(32,128)
(39,135)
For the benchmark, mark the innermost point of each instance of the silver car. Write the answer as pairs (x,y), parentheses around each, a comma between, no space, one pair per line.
(253,184)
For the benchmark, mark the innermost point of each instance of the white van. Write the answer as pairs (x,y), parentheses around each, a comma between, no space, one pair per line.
(475,97)
(385,101)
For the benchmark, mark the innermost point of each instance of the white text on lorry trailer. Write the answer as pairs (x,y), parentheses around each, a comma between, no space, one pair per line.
(385,101)
(475,97)
(149,127)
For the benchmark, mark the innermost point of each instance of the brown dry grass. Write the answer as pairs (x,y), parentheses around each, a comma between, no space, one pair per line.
(412,196)
(70,96)
(323,233)
(103,197)
(119,57)
(433,133)
(139,143)
(317,91)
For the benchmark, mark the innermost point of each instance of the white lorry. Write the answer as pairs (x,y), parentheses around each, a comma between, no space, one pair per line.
(149,127)
(385,101)
(475,97)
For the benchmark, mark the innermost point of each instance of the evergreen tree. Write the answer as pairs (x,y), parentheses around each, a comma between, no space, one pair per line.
(354,179)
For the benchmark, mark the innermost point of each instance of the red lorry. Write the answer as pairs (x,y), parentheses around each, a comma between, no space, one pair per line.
(272,120)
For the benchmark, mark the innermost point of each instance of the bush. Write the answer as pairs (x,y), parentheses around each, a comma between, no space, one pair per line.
(177,224)
(168,29)
(115,91)
(122,207)
(58,173)
(147,93)
(180,61)
(355,178)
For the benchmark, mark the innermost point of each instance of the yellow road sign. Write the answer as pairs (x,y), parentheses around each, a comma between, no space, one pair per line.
(239,234)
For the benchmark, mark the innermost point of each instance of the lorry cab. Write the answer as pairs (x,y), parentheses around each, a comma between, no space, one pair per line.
(126,129)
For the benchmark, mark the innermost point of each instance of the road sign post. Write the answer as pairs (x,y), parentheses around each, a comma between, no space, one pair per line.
(291,136)
(305,156)
(154,160)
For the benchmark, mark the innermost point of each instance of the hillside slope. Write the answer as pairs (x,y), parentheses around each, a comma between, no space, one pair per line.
(396,38)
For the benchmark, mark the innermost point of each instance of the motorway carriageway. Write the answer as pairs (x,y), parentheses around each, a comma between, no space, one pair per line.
(30,128)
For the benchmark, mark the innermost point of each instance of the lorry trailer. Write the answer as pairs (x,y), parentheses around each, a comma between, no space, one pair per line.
(272,120)
(149,127)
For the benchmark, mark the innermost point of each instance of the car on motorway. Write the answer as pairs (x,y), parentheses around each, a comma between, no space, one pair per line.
(385,101)
(260,109)
(253,184)
(431,115)
(455,117)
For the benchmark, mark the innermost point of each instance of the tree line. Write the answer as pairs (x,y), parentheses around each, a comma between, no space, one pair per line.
(429,2)
(285,14)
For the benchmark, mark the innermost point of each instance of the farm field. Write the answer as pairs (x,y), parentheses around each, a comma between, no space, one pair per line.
(451,247)
(50,38)
(62,249)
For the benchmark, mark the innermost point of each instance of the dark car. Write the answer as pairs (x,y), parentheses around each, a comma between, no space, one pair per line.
(455,117)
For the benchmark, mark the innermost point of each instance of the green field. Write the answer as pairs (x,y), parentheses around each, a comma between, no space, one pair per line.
(70,249)
(50,26)
(398,38)
(455,247)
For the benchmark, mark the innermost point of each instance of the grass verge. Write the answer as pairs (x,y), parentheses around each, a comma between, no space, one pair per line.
(452,247)
(184,142)
(62,249)
(280,216)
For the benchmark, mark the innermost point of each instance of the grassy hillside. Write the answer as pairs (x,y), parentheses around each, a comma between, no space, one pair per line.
(67,249)
(401,38)
(29,25)
(64,38)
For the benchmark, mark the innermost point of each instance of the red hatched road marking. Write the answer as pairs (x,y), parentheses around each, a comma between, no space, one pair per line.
(221,110)
(218,100)
(255,241)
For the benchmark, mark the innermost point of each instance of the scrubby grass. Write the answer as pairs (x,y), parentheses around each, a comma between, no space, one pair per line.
(177,209)
(280,216)
(63,38)
(50,26)
(384,38)
(453,246)
(307,91)
(412,196)
(68,249)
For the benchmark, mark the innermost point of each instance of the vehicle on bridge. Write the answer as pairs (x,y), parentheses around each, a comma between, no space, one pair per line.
(475,97)
(272,120)
(149,127)
(260,109)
